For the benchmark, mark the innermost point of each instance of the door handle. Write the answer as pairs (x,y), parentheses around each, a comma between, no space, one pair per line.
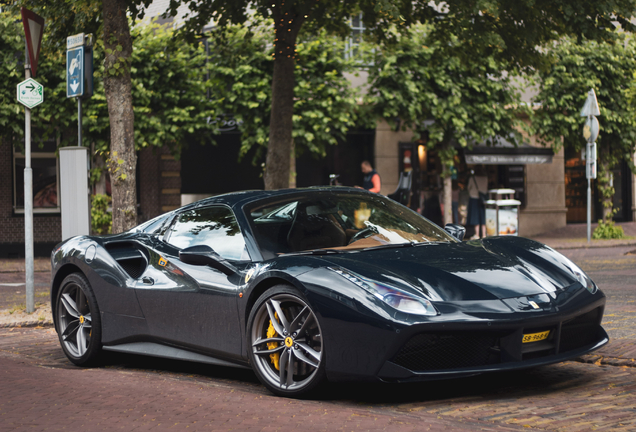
(148,280)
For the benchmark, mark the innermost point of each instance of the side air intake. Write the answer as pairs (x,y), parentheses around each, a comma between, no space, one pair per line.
(129,256)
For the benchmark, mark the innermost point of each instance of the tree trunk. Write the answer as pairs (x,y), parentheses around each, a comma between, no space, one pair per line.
(277,163)
(447,195)
(122,160)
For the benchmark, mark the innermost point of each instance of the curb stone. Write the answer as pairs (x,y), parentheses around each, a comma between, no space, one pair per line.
(28,323)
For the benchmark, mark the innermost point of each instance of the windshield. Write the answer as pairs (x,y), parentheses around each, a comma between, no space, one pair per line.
(338,222)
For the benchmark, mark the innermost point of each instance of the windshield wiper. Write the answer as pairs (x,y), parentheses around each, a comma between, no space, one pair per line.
(315,252)
(393,245)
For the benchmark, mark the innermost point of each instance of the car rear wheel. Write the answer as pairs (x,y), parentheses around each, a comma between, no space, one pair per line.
(286,343)
(77,320)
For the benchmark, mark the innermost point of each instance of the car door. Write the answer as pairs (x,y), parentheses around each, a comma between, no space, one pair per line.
(195,306)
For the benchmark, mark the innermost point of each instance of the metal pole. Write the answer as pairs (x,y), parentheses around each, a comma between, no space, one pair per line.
(79,122)
(28,202)
(589,207)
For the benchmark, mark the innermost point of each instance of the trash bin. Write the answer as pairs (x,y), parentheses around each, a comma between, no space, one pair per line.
(502,213)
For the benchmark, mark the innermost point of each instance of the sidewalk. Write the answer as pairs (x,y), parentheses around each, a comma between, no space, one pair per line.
(574,236)
(13,292)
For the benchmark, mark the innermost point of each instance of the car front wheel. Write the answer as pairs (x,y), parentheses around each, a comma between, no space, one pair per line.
(77,320)
(286,343)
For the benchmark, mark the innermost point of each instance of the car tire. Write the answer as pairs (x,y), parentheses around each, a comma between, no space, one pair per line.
(288,354)
(78,321)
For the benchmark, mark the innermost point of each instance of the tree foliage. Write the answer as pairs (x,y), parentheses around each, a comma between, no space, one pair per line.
(510,31)
(443,100)
(608,69)
(169,90)
(240,67)
(11,45)
(413,80)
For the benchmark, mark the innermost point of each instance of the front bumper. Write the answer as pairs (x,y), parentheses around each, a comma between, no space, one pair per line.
(458,353)
(466,338)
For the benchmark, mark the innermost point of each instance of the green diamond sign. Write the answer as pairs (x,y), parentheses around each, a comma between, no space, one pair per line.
(30,93)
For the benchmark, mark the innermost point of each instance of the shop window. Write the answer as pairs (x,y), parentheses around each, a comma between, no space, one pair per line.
(45,166)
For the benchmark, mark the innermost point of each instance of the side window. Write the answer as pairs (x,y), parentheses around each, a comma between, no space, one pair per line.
(212,226)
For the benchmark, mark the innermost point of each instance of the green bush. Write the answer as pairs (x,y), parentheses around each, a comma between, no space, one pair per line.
(101,218)
(608,231)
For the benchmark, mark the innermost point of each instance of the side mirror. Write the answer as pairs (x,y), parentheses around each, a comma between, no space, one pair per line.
(205,255)
(456,231)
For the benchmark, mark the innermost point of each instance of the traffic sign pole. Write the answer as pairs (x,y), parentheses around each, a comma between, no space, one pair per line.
(590,133)
(28,205)
(79,122)
(30,94)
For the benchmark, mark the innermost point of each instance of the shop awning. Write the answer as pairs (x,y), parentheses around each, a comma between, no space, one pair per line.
(505,153)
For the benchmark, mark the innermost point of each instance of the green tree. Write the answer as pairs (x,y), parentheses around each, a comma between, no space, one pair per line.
(442,99)
(510,31)
(169,91)
(11,122)
(608,69)
(108,19)
(240,68)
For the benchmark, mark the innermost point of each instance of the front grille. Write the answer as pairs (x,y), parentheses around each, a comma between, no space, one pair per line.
(448,351)
(580,331)
(457,350)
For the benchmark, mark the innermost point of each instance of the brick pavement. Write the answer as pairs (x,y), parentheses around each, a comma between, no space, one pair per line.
(41,390)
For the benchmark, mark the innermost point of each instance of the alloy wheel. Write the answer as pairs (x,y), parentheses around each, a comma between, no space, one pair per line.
(75,320)
(287,343)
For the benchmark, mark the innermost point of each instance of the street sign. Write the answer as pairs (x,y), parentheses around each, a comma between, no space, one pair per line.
(591,129)
(75,72)
(75,41)
(30,93)
(33,30)
(590,108)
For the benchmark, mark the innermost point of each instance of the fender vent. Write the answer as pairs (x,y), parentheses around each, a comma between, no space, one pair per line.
(129,257)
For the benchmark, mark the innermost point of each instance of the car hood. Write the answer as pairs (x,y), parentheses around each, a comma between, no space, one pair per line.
(494,268)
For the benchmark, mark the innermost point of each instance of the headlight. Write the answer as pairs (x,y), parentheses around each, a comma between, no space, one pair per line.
(581,276)
(396,298)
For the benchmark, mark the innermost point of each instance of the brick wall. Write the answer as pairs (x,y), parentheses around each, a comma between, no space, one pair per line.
(47,230)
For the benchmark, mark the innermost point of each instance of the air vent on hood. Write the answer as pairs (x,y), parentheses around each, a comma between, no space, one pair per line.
(129,257)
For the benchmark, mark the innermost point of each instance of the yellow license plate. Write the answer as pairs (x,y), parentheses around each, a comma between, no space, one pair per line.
(535,337)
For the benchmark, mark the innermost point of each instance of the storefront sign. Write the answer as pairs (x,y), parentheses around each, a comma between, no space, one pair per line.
(494,159)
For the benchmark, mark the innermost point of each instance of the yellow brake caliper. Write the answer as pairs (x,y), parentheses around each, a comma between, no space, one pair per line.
(271,332)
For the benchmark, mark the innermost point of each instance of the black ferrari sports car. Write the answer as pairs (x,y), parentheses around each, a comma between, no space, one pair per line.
(309,285)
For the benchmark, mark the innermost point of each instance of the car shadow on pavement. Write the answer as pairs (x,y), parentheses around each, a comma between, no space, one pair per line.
(180,368)
(490,386)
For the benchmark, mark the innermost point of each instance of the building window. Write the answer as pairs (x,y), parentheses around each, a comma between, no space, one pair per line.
(45,166)
(354,41)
